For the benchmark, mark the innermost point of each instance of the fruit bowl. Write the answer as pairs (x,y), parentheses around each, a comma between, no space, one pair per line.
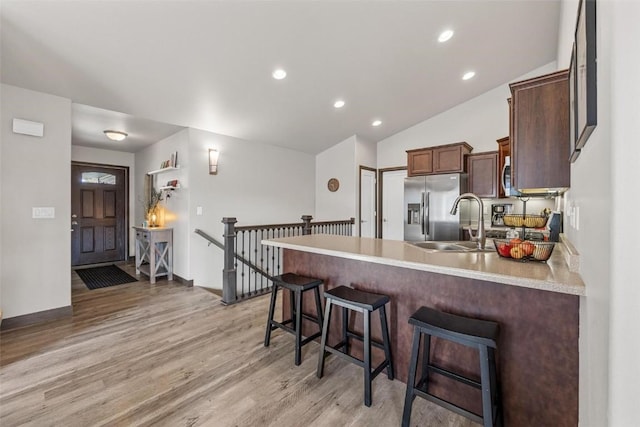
(529,221)
(526,250)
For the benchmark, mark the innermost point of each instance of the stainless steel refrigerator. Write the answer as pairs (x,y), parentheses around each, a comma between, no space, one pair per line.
(427,204)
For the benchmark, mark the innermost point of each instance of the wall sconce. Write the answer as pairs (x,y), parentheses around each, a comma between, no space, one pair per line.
(213,161)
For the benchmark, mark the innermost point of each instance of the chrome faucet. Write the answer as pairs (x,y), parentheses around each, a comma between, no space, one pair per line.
(480,236)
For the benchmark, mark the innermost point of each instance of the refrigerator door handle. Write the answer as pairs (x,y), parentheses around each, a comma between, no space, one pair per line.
(422,212)
(425,220)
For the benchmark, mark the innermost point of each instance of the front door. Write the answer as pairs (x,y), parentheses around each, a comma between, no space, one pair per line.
(98,213)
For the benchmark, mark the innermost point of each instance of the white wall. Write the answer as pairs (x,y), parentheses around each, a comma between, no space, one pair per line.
(480,122)
(113,158)
(338,162)
(568,17)
(256,183)
(36,172)
(603,183)
(176,207)
(624,353)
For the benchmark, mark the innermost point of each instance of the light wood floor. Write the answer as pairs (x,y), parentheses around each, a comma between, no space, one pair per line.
(165,354)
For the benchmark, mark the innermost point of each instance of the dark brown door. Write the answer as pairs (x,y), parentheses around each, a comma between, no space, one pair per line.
(98,214)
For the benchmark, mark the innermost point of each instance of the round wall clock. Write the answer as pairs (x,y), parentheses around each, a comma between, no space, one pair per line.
(333,184)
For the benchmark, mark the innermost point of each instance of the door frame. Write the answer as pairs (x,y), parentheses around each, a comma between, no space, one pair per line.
(375,199)
(381,173)
(126,204)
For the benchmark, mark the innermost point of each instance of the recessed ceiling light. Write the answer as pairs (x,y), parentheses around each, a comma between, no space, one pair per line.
(115,135)
(468,75)
(339,103)
(279,74)
(376,123)
(445,35)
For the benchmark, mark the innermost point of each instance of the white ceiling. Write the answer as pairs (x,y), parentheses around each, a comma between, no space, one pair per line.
(208,64)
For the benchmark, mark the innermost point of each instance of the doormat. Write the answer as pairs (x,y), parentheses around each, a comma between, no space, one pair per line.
(103,277)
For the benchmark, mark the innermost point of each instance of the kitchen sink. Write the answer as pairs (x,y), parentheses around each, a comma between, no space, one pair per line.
(453,246)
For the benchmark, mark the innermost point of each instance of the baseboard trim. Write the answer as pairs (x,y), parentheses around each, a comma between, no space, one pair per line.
(188,283)
(33,318)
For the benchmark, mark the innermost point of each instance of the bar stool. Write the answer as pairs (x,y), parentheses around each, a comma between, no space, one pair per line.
(365,303)
(480,334)
(297,286)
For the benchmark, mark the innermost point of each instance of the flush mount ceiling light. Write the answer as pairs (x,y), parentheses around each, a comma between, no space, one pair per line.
(445,35)
(376,123)
(339,103)
(115,135)
(279,74)
(468,75)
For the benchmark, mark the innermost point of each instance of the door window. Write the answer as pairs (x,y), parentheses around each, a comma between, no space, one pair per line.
(98,178)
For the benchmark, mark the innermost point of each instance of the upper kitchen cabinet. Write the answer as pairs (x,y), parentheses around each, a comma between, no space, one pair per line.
(448,158)
(483,174)
(540,134)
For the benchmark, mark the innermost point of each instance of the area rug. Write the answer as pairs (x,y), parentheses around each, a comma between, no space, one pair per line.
(103,277)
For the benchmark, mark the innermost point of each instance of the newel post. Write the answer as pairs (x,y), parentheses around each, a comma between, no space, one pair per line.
(229,295)
(306,228)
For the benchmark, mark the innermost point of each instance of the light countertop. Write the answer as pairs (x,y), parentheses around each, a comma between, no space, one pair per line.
(554,275)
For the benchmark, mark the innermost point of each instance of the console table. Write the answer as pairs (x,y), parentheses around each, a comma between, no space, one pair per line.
(154,252)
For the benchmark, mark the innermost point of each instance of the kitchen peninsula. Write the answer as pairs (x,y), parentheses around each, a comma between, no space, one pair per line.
(536,305)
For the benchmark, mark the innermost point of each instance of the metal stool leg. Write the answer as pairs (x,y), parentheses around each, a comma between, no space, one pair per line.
(487,402)
(318,308)
(345,329)
(426,353)
(298,301)
(385,341)
(367,358)
(411,379)
(323,340)
(272,307)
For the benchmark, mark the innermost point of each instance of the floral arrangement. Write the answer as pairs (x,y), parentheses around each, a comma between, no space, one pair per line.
(152,202)
(150,206)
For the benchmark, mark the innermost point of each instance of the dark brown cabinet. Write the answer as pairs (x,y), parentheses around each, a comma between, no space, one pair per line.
(540,134)
(448,158)
(483,174)
(504,151)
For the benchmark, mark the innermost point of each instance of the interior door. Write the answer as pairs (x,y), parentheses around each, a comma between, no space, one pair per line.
(98,214)
(393,204)
(367,202)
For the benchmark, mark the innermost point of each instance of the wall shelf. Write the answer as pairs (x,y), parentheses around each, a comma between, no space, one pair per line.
(168,187)
(157,171)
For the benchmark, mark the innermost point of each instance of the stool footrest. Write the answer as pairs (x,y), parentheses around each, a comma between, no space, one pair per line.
(355,360)
(374,343)
(453,375)
(275,325)
(448,405)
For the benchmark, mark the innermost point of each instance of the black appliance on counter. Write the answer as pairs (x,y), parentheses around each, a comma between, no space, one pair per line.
(554,225)
(498,212)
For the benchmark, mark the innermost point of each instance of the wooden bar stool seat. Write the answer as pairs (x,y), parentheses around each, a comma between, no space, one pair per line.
(479,334)
(297,286)
(365,303)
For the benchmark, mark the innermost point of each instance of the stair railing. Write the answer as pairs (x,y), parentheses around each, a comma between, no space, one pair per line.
(250,266)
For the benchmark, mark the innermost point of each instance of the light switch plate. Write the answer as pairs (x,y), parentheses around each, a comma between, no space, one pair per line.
(43,213)
(199,210)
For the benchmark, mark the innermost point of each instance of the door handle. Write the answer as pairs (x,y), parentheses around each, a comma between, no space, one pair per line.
(74,216)
(426,212)
(74,222)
